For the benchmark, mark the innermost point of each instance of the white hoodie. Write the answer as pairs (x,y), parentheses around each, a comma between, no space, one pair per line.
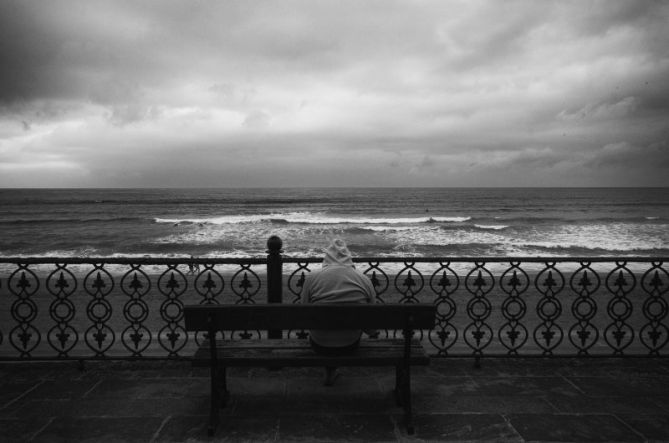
(337,282)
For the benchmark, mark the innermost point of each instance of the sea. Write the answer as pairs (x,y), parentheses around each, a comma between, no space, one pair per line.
(383,222)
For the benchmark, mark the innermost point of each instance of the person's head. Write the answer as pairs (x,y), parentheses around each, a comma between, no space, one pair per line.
(337,254)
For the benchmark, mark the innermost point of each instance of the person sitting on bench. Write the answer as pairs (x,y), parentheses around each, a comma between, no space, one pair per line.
(337,282)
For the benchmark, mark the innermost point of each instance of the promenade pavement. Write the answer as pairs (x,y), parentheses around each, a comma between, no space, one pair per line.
(599,399)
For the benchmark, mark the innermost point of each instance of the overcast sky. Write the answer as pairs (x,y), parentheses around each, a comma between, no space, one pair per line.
(334,93)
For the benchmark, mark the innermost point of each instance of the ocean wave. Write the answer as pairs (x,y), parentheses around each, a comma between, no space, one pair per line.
(309,218)
(491,227)
(69,220)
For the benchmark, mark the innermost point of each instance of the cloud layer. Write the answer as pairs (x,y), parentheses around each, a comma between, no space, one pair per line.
(345,93)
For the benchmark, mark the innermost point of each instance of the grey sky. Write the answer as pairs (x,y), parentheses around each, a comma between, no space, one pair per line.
(334,93)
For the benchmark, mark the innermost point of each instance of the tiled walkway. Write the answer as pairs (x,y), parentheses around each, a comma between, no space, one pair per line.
(505,400)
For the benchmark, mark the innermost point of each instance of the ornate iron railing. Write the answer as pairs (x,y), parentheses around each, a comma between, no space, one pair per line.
(121,308)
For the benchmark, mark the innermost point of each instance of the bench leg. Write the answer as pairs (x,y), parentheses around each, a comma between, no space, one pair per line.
(223,393)
(406,402)
(215,401)
(219,396)
(398,385)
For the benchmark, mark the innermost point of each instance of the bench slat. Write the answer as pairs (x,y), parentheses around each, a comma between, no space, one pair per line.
(309,316)
(272,353)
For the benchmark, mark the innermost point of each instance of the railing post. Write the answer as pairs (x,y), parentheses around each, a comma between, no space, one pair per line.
(274,276)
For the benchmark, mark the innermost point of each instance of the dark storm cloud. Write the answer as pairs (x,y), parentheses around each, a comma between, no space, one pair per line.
(400,93)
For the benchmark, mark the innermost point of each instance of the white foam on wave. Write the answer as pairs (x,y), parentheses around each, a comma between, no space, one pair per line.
(492,227)
(309,218)
(389,228)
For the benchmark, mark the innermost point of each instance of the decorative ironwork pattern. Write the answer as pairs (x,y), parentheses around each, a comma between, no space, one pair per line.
(548,335)
(409,286)
(295,284)
(136,284)
(98,284)
(23,284)
(444,283)
(245,289)
(620,282)
(379,279)
(172,284)
(478,334)
(585,283)
(514,282)
(61,284)
(102,308)
(209,284)
(654,334)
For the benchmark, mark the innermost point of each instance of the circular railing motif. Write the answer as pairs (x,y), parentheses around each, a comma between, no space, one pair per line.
(209,284)
(172,284)
(444,283)
(61,284)
(583,334)
(379,279)
(409,283)
(654,334)
(23,284)
(245,285)
(620,282)
(136,284)
(56,309)
(549,282)
(478,334)
(295,284)
(98,284)
(514,282)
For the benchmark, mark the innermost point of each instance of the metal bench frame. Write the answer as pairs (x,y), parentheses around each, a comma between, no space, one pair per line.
(276,353)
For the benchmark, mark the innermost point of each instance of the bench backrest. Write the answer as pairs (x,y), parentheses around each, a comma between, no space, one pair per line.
(310,316)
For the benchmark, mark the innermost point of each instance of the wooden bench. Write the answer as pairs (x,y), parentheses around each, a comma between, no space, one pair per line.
(401,353)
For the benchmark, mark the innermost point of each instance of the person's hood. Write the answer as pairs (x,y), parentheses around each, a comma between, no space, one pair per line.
(337,254)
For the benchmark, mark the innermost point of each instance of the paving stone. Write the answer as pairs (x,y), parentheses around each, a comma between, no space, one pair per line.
(15,430)
(341,427)
(460,427)
(100,429)
(662,401)
(572,427)
(61,389)
(113,407)
(546,399)
(622,386)
(150,388)
(445,368)
(515,367)
(524,386)
(448,386)
(613,405)
(615,367)
(11,391)
(348,395)
(652,427)
(232,429)
(480,404)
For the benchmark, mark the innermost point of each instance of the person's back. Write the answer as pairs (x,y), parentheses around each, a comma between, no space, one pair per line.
(337,282)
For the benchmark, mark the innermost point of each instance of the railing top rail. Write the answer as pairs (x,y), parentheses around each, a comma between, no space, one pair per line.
(133,260)
(454,259)
(292,259)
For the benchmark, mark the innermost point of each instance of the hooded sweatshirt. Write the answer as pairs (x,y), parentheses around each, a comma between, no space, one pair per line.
(337,282)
